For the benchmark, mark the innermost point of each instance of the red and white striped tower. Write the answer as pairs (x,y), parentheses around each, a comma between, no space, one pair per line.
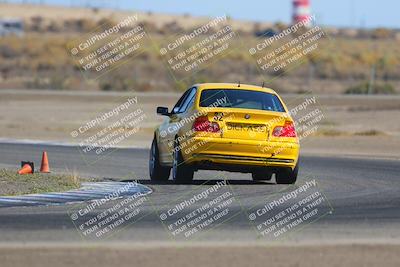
(301,11)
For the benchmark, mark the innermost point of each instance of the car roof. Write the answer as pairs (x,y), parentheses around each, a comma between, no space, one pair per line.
(202,86)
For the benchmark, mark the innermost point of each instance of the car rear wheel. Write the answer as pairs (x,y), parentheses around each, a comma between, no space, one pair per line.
(261,176)
(287,176)
(156,170)
(182,173)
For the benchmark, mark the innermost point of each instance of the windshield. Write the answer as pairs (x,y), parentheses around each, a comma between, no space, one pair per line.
(235,98)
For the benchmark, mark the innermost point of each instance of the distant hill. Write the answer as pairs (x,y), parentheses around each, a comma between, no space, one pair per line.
(57,13)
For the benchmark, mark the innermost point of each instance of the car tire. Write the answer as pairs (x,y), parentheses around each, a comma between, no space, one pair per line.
(261,176)
(287,176)
(156,170)
(182,173)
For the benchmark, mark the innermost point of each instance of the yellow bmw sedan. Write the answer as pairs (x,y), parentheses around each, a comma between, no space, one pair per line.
(227,127)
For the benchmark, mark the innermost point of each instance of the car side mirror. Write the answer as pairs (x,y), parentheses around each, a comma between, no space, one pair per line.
(163,111)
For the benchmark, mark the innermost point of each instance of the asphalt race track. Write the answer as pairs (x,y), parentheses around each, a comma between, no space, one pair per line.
(364,196)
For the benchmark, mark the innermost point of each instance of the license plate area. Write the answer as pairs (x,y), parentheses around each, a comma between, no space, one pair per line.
(245,131)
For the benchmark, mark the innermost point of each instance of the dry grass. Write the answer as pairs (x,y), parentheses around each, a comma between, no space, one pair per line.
(40,58)
(12,183)
(336,133)
(372,132)
(330,133)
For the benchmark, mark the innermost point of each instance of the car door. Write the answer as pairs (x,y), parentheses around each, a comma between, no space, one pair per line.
(171,126)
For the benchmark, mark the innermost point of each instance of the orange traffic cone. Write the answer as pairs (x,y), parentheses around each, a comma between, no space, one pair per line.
(45,163)
(27,167)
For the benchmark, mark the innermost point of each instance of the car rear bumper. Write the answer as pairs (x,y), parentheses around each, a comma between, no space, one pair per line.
(204,150)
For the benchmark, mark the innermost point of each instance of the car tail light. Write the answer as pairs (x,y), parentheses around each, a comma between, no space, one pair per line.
(287,130)
(202,124)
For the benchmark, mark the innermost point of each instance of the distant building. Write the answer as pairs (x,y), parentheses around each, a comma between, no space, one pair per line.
(301,11)
(11,27)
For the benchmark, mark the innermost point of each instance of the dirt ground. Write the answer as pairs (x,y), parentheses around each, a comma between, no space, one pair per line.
(352,125)
(200,255)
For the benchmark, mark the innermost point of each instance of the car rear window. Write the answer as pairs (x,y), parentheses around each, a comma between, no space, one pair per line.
(234,98)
